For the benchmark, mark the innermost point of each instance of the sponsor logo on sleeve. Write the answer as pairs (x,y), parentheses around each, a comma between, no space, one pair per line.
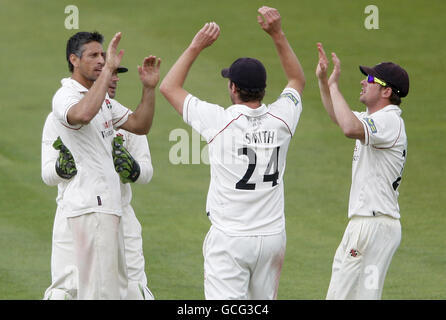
(291,97)
(371,124)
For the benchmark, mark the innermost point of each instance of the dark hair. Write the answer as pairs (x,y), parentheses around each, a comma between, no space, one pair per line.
(250,95)
(395,99)
(75,45)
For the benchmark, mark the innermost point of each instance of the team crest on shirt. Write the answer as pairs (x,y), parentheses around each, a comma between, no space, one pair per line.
(371,124)
(354,253)
(291,97)
(108,103)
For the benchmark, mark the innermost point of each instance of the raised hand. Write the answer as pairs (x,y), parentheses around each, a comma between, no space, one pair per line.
(334,77)
(270,20)
(113,59)
(322,66)
(206,36)
(149,72)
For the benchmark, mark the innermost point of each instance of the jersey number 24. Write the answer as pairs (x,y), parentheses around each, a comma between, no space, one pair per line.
(273,165)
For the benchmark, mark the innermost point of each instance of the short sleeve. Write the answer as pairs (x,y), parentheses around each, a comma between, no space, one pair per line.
(382,129)
(63,100)
(204,117)
(120,113)
(288,107)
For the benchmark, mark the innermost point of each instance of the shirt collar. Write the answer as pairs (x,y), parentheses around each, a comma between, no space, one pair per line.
(250,111)
(70,82)
(390,107)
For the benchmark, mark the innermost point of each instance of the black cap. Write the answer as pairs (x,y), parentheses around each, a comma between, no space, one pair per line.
(391,73)
(121,69)
(247,73)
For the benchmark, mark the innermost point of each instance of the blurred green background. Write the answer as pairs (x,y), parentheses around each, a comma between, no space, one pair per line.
(171,208)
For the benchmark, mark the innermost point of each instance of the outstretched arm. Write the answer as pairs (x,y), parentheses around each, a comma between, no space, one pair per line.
(351,126)
(321,74)
(270,21)
(172,85)
(140,121)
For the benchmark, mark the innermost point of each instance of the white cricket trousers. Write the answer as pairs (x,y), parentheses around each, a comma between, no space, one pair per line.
(134,256)
(99,256)
(363,258)
(242,267)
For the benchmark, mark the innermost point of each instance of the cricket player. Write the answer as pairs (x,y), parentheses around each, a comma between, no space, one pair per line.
(56,166)
(373,233)
(248,142)
(87,118)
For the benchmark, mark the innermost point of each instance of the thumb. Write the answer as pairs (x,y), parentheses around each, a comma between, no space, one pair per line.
(260,21)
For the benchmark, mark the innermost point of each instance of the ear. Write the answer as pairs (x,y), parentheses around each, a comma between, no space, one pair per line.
(232,87)
(74,59)
(386,92)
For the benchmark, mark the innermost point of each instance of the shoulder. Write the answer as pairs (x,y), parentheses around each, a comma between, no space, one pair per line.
(388,116)
(289,96)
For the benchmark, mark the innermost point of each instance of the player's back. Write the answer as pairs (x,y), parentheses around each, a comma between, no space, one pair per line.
(247,154)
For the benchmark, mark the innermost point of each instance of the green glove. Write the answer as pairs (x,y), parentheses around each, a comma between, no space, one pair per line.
(127,167)
(65,165)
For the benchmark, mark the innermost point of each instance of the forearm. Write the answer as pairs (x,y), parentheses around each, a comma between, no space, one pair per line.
(84,111)
(289,61)
(351,126)
(172,85)
(326,99)
(145,112)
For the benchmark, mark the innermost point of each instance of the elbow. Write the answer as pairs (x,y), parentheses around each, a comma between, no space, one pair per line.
(351,132)
(48,180)
(80,119)
(164,89)
(142,131)
(146,173)
(297,84)
(150,174)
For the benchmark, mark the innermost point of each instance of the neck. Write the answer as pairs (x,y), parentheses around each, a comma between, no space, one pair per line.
(252,104)
(82,80)
(377,106)
(249,104)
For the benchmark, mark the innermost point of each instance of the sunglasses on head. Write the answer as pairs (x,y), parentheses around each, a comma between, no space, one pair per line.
(372,79)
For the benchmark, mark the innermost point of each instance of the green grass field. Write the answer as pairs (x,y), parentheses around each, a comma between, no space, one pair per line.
(171,208)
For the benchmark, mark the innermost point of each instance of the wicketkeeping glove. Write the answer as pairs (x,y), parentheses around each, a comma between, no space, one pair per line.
(65,165)
(127,167)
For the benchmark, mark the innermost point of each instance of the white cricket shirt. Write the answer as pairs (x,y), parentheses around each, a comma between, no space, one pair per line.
(49,156)
(95,187)
(247,154)
(378,164)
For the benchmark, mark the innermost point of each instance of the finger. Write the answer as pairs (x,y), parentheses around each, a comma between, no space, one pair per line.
(263,9)
(260,20)
(335,59)
(321,51)
(274,13)
(216,31)
(205,27)
(158,63)
(115,41)
(120,55)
